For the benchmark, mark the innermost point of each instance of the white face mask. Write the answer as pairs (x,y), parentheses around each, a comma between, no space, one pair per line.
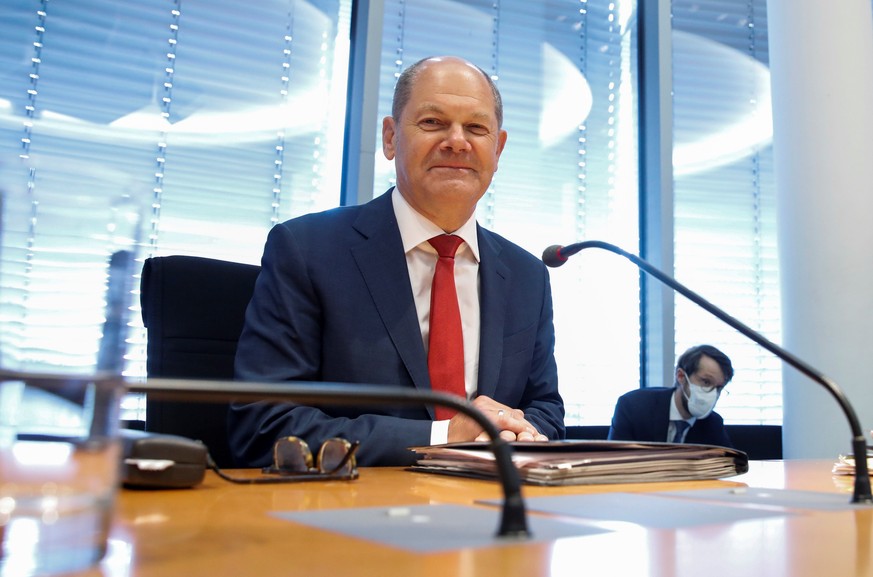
(700,402)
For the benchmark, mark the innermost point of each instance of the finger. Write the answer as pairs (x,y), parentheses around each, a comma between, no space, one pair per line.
(511,418)
(486,404)
(508,422)
(502,411)
(504,418)
(525,436)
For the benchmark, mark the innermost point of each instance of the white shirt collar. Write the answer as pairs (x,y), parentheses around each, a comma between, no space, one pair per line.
(416,229)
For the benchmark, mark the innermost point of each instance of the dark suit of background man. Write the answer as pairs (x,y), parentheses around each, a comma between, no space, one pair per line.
(344,295)
(652,413)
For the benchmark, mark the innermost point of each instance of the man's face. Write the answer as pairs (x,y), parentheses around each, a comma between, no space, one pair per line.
(708,374)
(699,402)
(446,142)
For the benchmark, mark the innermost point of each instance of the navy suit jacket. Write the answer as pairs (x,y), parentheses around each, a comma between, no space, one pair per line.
(333,303)
(644,415)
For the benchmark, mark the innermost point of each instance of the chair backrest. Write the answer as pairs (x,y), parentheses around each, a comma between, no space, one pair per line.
(193,309)
(588,432)
(757,441)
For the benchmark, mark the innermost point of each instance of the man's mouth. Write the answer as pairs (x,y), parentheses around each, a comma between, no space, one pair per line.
(450,167)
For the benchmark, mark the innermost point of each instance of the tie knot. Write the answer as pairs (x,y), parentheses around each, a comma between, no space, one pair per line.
(446,244)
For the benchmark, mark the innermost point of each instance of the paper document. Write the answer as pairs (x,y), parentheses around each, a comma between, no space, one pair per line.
(587,462)
(845,465)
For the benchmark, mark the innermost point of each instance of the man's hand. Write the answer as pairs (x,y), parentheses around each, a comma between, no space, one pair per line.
(510,422)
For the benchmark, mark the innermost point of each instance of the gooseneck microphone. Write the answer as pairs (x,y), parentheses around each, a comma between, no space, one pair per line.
(557,255)
(513,522)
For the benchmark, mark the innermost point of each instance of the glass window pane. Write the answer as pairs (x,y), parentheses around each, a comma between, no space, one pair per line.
(725,206)
(158,128)
(566,71)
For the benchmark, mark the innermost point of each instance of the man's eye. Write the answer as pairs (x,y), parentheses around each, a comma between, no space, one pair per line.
(478,129)
(430,123)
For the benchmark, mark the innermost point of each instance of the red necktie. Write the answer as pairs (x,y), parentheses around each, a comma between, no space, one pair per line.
(445,356)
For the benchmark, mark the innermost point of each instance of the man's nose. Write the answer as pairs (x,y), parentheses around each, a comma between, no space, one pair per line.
(456,138)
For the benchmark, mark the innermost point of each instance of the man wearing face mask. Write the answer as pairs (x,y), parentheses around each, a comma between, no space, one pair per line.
(682,413)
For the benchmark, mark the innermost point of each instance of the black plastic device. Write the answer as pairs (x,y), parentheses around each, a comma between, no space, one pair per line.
(159,461)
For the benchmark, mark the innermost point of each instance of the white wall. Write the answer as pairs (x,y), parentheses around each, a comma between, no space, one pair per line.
(821,64)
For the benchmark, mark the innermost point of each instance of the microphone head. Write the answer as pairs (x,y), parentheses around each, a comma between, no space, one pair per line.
(552,256)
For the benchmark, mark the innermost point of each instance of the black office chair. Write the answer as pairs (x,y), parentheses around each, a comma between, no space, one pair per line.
(193,309)
(588,432)
(759,442)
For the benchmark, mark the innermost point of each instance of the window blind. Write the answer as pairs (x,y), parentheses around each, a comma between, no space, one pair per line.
(152,128)
(724,207)
(566,72)
(191,126)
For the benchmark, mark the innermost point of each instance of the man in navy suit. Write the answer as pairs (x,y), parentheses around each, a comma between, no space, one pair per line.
(682,413)
(344,295)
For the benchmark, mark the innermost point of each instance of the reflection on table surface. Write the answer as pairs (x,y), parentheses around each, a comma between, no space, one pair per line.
(220,529)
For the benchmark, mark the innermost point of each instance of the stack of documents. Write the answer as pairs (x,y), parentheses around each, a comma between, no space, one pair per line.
(587,462)
(845,465)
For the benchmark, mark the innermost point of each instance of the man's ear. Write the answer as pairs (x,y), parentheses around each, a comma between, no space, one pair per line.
(388,132)
(501,142)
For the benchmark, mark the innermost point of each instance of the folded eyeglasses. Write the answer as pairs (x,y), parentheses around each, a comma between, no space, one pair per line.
(293,463)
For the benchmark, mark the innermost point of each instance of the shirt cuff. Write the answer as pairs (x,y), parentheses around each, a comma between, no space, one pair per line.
(439,432)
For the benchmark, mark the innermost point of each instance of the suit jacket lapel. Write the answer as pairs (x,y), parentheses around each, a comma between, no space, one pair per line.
(494,278)
(661,419)
(382,264)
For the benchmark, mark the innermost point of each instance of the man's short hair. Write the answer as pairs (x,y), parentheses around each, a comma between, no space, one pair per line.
(689,361)
(403,90)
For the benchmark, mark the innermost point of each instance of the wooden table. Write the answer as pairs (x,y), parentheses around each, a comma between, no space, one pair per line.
(220,529)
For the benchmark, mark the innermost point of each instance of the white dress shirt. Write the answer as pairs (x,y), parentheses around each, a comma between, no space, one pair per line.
(421,258)
(675,416)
